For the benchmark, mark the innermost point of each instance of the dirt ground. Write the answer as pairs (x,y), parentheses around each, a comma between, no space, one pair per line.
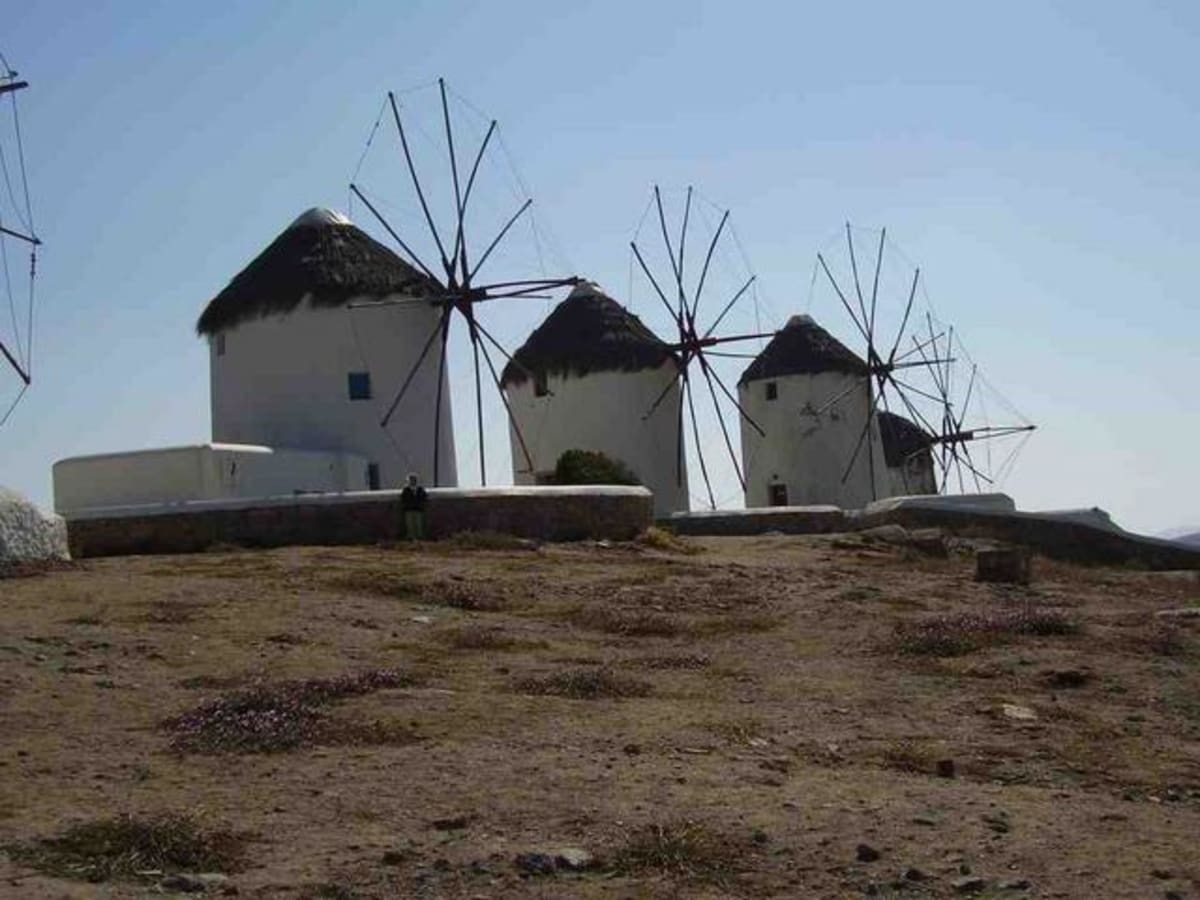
(765,706)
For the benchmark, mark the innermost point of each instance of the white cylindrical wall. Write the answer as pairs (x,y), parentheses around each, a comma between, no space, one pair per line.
(603,411)
(913,476)
(283,381)
(808,448)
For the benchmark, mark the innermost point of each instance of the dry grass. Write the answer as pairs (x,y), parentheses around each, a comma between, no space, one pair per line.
(384,584)
(585,684)
(485,540)
(655,538)
(684,661)
(127,848)
(681,849)
(481,637)
(736,623)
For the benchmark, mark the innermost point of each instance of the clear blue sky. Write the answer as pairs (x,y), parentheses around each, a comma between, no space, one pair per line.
(1038,159)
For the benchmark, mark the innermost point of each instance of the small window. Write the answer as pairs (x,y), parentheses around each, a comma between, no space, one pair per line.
(219,343)
(540,386)
(777,494)
(372,476)
(360,385)
(772,390)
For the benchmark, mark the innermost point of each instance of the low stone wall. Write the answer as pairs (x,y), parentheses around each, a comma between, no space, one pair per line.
(744,522)
(542,513)
(1068,539)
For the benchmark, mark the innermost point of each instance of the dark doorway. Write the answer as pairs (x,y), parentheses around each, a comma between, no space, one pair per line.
(777,494)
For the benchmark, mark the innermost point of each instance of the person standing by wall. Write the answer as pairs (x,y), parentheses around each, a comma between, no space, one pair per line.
(412,502)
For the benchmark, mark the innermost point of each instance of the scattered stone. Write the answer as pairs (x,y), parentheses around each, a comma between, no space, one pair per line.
(866,853)
(535,863)
(759,837)
(1005,565)
(573,859)
(1162,874)
(1172,895)
(971,884)
(885,534)
(1019,713)
(632,749)
(393,857)
(929,541)
(1020,884)
(925,819)
(914,874)
(422,620)
(192,884)
(1187,612)
(945,768)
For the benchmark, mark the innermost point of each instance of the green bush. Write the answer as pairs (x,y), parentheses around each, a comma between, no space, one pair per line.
(591,467)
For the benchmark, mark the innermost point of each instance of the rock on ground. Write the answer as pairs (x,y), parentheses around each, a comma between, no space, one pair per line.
(27,534)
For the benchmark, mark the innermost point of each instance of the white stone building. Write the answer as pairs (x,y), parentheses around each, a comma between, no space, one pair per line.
(585,380)
(810,394)
(300,360)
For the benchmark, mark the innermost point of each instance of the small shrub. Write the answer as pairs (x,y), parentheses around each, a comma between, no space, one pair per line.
(465,595)
(585,684)
(661,539)
(738,730)
(962,633)
(476,637)
(273,718)
(591,467)
(909,756)
(120,848)
(681,849)
(628,623)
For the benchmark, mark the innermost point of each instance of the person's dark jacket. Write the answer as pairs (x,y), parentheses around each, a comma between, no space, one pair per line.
(412,499)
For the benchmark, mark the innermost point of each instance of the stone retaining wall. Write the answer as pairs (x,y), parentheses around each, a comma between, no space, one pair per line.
(744,522)
(543,513)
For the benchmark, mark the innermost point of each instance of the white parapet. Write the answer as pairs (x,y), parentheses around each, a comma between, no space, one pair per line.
(198,472)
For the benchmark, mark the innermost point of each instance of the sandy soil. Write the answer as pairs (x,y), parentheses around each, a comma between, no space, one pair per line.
(779,721)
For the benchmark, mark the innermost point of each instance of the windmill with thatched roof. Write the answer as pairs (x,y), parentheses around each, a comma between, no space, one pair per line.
(582,381)
(290,369)
(799,456)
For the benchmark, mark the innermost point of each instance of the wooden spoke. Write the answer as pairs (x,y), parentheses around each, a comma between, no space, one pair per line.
(417,185)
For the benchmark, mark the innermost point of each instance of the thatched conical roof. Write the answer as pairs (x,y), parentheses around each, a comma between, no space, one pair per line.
(587,332)
(901,438)
(803,347)
(321,257)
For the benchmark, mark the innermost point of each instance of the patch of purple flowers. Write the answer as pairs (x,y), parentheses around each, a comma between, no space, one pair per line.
(961,633)
(270,718)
